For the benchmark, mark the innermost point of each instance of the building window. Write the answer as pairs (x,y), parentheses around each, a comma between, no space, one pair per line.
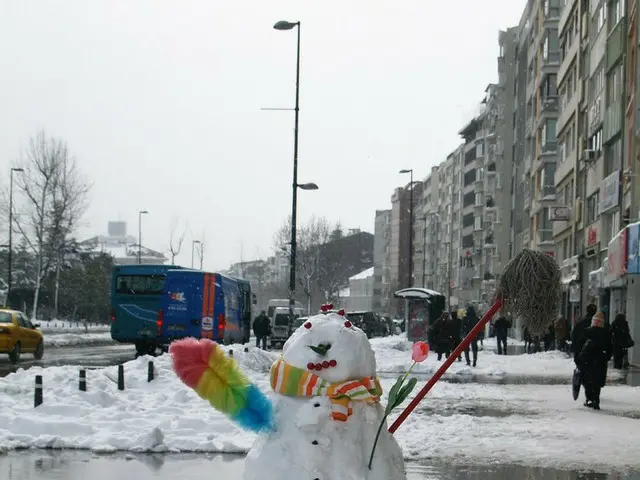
(614,84)
(549,131)
(615,13)
(612,157)
(479,149)
(593,205)
(595,142)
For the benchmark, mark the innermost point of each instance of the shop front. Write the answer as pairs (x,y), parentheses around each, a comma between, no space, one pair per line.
(570,278)
(615,272)
(633,289)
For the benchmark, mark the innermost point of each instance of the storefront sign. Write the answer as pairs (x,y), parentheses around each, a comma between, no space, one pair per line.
(617,257)
(633,249)
(569,270)
(592,235)
(574,293)
(610,192)
(595,281)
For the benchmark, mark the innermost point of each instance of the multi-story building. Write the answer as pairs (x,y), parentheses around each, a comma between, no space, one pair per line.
(381,238)
(426,228)
(540,39)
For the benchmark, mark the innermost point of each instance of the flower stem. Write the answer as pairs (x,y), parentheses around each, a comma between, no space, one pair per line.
(375,442)
(404,377)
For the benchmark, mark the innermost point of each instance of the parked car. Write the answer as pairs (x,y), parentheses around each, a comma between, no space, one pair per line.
(370,323)
(18,335)
(299,321)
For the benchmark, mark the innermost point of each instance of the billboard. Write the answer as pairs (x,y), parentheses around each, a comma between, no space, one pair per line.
(633,249)
(617,257)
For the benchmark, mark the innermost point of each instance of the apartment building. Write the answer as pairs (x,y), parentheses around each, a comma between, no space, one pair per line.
(381,275)
(540,39)
(427,234)
(401,230)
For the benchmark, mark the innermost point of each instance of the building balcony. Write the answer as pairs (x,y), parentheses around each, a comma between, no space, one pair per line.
(546,192)
(544,237)
(549,104)
(552,17)
(549,147)
(489,241)
(550,63)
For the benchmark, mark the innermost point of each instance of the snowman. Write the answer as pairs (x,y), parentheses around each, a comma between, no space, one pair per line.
(324,410)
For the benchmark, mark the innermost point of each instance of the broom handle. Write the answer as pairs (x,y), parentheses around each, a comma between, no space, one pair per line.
(447,363)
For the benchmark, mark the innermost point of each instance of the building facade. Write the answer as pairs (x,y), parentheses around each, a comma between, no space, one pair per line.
(381,280)
(361,286)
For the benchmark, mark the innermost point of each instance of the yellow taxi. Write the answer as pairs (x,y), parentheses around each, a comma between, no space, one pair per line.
(18,335)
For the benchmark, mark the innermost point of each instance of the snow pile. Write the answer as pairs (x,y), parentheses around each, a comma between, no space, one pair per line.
(63,326)
(393,356)
(537,425)
(77,339)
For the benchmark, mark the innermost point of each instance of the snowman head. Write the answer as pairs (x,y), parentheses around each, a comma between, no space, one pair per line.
(330,346)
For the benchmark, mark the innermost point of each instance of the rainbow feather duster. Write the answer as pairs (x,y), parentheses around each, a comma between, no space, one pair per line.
(203,366)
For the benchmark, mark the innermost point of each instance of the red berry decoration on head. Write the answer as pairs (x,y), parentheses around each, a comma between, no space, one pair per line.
(326,307)
(348,324)
(307,325)
(341,312)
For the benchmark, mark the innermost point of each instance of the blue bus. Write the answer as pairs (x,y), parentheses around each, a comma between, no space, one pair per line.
(152,305)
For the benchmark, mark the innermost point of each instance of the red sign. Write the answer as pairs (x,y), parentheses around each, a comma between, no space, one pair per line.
(592,235)
(617,256)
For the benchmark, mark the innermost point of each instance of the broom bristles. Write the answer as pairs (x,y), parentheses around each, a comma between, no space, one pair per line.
(531,289)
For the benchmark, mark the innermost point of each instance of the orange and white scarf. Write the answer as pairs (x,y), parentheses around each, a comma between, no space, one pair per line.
(296,382)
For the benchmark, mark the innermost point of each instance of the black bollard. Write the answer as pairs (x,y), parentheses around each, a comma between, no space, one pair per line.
(231,353)
(120,377)
(37,398)
(150,372)
(82,384)
(246,349)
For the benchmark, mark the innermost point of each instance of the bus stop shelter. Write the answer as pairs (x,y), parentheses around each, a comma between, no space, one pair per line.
(422,308)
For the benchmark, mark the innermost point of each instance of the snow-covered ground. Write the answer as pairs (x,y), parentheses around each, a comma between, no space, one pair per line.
(63,326)
(529,424)
(77,339)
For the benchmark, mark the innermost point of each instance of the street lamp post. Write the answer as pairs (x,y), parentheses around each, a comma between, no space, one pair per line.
(10,253)
(284,25)
(140,213)
(410,171)
(193,246)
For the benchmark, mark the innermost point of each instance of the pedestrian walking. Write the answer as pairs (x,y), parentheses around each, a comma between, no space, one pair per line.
(262,329)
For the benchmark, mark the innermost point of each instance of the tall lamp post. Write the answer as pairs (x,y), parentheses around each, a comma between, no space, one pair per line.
(193,246)
(140,213)
(284,25)
(410,171)
(10,253)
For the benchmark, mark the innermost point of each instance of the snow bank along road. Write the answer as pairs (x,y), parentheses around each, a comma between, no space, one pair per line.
(538,425)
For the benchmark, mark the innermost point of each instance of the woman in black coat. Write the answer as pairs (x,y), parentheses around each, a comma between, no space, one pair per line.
(593,359)
(441,335)
(621,340)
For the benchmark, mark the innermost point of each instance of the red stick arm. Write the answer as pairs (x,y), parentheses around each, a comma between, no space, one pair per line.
(447,363)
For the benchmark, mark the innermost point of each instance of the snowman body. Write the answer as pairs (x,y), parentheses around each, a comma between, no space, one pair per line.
(307,442)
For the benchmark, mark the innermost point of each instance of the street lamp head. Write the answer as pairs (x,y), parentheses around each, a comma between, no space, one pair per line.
(406,170)
(143,212)
(284,25)
(308,186)
(17,169)
(195,241)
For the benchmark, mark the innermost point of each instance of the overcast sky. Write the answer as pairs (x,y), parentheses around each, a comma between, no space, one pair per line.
(160,102)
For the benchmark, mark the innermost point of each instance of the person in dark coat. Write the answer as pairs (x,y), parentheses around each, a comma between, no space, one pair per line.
(593,359)
(550,337)
(456,327)
(621,340)
(562,333)
(441,335)
(262,329)
(502,326)
(468,322)
(577,334)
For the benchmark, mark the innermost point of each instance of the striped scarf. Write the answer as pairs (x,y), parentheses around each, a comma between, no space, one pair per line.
(296,382)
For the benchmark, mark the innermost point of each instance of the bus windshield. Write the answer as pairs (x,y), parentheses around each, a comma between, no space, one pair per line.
(140,284)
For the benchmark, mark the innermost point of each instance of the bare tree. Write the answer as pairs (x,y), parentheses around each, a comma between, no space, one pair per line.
(200,248)
(176,239)
(309,239)
(55,198)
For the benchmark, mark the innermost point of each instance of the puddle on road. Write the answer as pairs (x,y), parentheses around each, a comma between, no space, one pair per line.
(80,465)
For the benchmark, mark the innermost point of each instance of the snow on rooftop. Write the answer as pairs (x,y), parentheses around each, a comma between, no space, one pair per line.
(362,275)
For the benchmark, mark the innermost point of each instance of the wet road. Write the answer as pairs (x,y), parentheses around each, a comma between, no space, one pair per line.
(75,465)
(90,356)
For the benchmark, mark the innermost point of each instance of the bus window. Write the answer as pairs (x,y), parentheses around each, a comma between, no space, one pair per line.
(140,284)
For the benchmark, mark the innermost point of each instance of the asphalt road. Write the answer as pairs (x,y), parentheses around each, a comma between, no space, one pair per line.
(90,356)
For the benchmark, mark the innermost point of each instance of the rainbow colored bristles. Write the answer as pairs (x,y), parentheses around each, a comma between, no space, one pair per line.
(204,367)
